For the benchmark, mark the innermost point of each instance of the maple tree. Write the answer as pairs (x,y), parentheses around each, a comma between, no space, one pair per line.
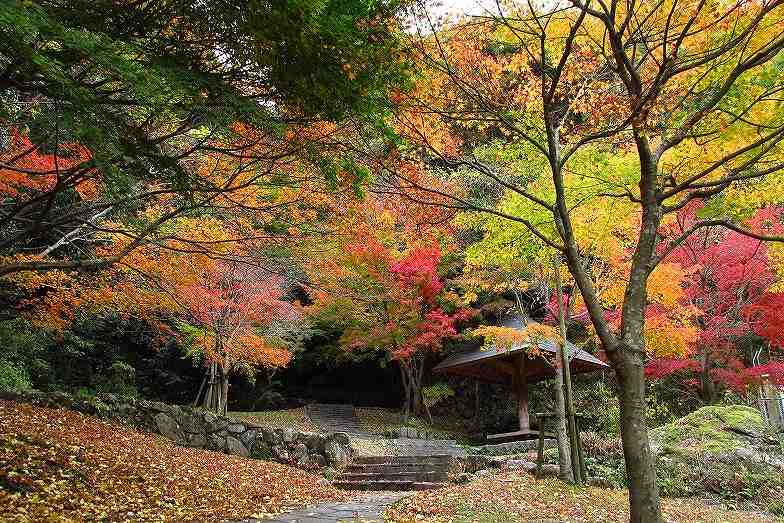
(383,288)
(187,107)
(648,106)
(728,283)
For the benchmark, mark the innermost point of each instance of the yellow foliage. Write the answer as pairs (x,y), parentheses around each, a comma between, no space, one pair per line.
(529,337)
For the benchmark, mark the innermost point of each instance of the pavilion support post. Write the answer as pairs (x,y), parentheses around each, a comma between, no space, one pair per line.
(521,388)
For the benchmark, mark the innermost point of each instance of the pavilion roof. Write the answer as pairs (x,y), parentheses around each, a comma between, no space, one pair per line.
(494,364)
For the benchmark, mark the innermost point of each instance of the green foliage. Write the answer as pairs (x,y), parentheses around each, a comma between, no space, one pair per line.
(598,402)
(776,508)
(22,361)
(436,393)
(13,376)
(711,429)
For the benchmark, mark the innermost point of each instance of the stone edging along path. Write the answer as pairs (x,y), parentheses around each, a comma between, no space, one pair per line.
(197,428)
(367,509)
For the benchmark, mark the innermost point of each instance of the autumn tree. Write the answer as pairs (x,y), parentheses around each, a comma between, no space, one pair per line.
(653,105)
(229,305)
(382,287)
(109,108)
(730,285)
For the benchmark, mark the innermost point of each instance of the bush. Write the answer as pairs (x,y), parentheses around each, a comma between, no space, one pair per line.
(776,508)
(13,376)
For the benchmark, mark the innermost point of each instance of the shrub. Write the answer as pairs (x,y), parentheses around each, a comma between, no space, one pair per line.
(13,376)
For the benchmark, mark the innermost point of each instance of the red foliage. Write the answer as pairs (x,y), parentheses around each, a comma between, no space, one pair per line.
(27,167)
(766,318)
(419,269)
(728,276)
(659,368)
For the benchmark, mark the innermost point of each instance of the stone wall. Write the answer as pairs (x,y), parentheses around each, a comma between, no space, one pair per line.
(193,427)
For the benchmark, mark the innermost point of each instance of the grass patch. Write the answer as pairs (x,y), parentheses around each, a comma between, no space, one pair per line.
(388,421)
(294,418)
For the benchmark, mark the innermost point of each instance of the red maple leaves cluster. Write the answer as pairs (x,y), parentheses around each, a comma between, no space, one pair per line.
(729,285)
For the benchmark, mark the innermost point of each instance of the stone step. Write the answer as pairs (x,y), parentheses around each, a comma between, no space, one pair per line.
(360,468)
(388,485)
(403,460)
(417,476)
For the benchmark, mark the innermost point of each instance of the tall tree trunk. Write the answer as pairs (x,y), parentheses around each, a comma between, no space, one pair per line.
(404,378)
(561,434)
(568,400)
(628,356)
(417,373)
(706,380)
(211,396)
(640,463)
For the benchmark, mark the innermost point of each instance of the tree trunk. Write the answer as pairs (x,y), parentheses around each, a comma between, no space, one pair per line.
(571,423)
(224,393)
(561,434)
(706,380)
(640,463)
(404,378)
(211,396)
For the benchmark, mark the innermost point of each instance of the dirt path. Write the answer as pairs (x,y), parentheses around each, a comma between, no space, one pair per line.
(367,508)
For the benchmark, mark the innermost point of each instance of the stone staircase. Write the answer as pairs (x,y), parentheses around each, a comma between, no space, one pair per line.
(335,418)
(396,473)
(379,463)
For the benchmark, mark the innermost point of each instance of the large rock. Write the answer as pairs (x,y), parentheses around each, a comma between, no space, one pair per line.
(318,460)
(281,454)
(249,437)
(337,454)
(190,422)
(198,440)
(168,427)
(300,455)
(725,450)
(235,446)
(271,437)
(339,437)
(314,441)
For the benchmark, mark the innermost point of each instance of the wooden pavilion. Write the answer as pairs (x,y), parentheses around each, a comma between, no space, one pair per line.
(514,368)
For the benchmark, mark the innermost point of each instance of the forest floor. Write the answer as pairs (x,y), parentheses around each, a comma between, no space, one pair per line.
(62,465)
(516,496)
(295,418)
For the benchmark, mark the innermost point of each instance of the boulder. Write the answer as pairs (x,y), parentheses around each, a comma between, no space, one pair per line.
(168,427)
(300,455)
(288,435)
(271,437)
(198,440)
(217,442)
(337,454)
(190,422)
(314,441)
(519,464)
(339,437)
(281,454)
(725,450)
(235,428)
(318,460)
(235,446)
(249,437)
